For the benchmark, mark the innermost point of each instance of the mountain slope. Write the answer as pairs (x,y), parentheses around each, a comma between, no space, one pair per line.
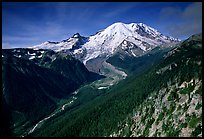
(59,62)
(34,81)
(136,65)
(175,109)
(109,113)
(31,91)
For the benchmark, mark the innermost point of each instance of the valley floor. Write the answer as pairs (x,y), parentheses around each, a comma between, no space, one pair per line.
(113,76)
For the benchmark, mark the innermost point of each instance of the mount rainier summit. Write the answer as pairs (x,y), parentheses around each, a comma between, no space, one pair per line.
(134,38)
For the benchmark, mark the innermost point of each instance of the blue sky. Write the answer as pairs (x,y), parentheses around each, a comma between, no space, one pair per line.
(26,24)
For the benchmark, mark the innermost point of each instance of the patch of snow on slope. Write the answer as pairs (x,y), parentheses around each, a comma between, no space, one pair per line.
(77,51)
(32,57)
(133,53)
(40,56)
(102,88)
(31,54)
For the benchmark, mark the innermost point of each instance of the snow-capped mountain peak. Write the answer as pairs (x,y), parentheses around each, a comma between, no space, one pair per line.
(149,29)
(75,41)
(77,35)
(106,41)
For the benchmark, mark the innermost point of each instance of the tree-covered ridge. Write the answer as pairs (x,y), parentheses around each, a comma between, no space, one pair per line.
(176,109)
(105,115)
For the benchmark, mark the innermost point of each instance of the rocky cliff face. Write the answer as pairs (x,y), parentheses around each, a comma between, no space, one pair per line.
(173,111)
